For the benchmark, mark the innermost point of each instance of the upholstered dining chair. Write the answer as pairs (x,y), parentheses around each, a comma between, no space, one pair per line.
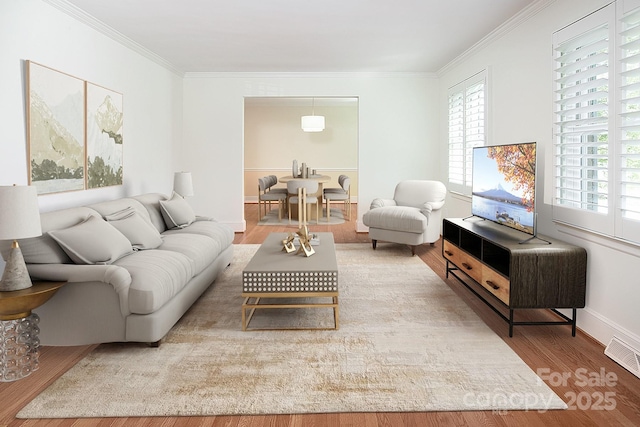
(342,194)
(273,180)
(412,217)
(308,187)
(265,198)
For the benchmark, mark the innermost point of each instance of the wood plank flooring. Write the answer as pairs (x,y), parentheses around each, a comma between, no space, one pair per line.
(549,349)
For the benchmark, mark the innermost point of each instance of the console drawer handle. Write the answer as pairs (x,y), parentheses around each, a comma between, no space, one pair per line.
(493,285)
(448,253)
(467,266)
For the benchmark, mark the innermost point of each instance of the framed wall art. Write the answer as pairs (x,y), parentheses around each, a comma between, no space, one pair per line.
(55,130)
(104,137)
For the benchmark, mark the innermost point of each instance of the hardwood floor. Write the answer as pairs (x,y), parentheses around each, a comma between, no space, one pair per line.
(549,350)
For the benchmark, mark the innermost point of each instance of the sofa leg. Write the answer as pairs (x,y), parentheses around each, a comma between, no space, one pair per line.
(155,344)
(413,251)
(374,243)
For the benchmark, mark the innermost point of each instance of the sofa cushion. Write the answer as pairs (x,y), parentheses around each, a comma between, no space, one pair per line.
(140,232)
(156,277)
(93,241)
(398,218)
(222,233)
(177,212)
(201,250)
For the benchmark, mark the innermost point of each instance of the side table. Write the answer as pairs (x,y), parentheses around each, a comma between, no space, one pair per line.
(19,342)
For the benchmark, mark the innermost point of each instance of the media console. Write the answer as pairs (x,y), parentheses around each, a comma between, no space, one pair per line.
(531,275)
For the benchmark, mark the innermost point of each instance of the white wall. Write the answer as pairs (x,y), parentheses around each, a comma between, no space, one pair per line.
(152,97)
(398,128)
(521,97)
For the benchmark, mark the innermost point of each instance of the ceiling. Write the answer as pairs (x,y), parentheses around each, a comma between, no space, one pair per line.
(301,36)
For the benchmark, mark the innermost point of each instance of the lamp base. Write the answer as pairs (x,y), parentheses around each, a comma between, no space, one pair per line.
(15,276)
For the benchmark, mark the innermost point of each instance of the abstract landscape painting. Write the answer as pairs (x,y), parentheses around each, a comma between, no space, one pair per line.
(104,137)
(55,132)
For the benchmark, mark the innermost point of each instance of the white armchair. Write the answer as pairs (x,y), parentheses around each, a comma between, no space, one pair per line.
(412,217)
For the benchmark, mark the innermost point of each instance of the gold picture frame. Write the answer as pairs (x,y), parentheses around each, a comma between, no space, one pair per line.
(55,130)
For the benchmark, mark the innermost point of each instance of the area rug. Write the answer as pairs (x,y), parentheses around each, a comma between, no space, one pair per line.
(406,342)
(271,218)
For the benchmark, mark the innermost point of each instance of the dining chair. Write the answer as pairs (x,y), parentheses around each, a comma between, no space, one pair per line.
(303,190)
(266,197)
(342,194)
(273,180)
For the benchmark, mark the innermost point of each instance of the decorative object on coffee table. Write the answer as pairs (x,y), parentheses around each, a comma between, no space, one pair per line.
(305,242)
(287,243)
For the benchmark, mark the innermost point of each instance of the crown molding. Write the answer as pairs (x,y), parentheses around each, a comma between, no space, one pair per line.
(83,17)
(307,75)
(506,27)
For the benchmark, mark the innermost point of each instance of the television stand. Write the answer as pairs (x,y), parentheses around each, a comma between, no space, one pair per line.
(550,275)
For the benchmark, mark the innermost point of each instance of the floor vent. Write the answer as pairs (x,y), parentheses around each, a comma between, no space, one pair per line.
(624,354)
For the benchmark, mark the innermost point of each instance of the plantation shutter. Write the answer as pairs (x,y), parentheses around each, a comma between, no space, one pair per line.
(628,212)
(456,138)
(467,117)
(474,124)
(583,56)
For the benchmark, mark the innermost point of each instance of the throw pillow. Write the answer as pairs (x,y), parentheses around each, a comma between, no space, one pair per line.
(92,241)
(139,231)
(177,213)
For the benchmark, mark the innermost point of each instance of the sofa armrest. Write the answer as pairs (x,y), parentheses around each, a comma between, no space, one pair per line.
(435,205)
(379,203)
(113,275)
(205,218)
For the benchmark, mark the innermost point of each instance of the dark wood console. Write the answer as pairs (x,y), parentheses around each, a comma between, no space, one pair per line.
(516,274)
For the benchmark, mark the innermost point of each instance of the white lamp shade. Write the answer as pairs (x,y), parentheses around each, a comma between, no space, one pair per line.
(19,212)
(313,123)
(182,184)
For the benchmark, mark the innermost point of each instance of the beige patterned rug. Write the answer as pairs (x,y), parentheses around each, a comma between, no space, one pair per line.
(406,343)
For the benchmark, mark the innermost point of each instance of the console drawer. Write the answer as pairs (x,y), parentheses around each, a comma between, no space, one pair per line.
(465,262)
(495,283)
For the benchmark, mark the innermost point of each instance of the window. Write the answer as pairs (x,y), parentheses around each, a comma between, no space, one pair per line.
(467,121)
(597,126)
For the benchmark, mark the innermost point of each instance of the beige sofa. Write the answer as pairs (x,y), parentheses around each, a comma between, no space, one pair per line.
(134,266)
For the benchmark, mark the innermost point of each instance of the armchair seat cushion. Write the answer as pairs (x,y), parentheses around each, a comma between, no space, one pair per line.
(397,218)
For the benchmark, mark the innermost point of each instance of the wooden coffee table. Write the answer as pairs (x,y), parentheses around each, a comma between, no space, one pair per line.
(273,273)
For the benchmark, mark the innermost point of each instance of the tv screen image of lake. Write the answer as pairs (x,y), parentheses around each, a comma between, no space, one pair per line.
(506,209)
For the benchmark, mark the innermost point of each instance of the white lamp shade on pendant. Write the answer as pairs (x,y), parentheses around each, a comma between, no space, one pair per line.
(183,184)
(313,123)
(20,213)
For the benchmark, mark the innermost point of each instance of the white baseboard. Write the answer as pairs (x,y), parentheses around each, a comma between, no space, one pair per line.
(237,227)
(603,329)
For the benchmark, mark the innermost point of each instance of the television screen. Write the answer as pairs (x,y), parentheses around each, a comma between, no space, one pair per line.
(503,188)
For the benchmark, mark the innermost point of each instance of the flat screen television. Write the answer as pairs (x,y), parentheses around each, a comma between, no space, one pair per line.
(503,187)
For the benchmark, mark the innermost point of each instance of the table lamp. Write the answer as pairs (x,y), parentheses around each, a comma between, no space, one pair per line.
(19,219)
(183,184)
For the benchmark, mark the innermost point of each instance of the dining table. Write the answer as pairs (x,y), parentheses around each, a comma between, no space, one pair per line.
(322,179)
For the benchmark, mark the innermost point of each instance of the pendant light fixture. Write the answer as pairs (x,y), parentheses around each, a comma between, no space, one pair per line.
(313,123)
